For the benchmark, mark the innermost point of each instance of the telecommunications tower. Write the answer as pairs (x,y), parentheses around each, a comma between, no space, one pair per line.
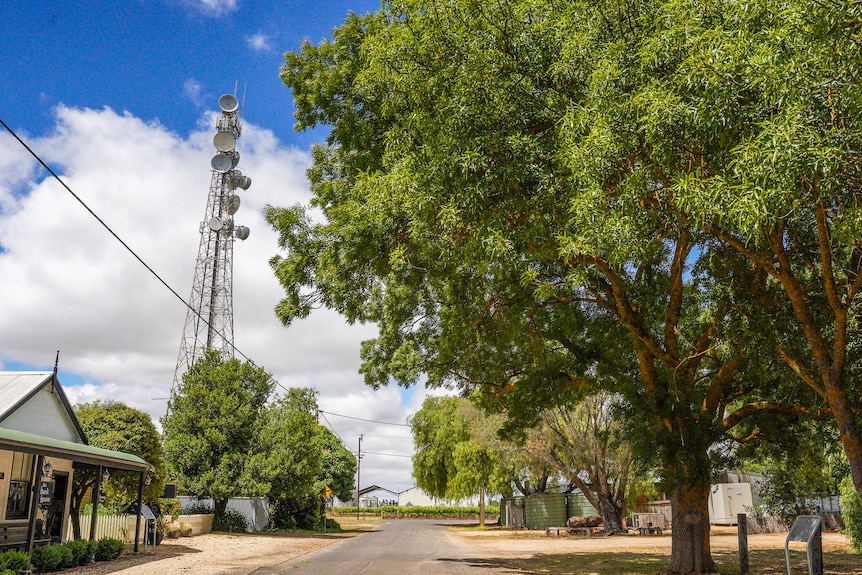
(209,319)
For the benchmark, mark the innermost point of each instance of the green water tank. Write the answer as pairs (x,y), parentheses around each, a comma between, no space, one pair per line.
(577,505)
(545,510)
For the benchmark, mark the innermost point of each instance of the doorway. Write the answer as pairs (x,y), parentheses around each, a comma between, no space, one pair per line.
(56,514)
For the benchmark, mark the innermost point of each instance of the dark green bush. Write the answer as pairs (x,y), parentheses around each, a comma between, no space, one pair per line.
(232,521)
(13,561)
(49,558)
(82,552)
(421,512)
(108,549)
(299,512)
(197,508)
(8,572)
(851,513)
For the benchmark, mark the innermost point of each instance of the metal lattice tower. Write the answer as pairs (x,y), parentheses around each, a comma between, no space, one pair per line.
(209,319)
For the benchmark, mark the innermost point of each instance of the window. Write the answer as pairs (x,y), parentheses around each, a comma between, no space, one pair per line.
(19,485)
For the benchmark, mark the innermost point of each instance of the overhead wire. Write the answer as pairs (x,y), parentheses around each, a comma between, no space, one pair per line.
(128,248)
(368,420)
(332,429)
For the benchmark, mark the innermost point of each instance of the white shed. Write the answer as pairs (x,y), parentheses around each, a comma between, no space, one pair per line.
(726,500)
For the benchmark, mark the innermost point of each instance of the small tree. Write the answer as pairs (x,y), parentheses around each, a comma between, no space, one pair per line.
(456,450)
(212,425)
(337,466)
(114,425)
(287,458)
(586,445)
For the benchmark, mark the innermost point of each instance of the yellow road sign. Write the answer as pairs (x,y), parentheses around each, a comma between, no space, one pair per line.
(326,492)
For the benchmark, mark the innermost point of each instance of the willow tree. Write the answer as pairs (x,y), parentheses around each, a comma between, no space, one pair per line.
(489,200)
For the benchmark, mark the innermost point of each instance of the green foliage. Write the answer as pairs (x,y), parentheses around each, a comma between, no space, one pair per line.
(50,558)
(197,508)
(13,561)
(287,456)
(851,513)
(457,451)
(107,549)
(113,425)
(337,467)
(7,572)
(297,512)
(212,424)
(231,521)
(81,552)
(169,507)
(536,199)
(801,461)
(420,512)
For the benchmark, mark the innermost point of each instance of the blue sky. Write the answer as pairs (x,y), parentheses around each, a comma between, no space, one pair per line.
(162,60)
(120,99)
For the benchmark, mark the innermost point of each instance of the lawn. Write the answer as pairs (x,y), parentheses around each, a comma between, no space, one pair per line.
(761,562)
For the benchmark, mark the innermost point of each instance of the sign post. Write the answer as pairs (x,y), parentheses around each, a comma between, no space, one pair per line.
(325,494)
(807,529)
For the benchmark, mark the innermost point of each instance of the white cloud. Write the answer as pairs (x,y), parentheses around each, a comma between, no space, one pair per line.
(68,285)
(193,91)
(259,42)
(215,7)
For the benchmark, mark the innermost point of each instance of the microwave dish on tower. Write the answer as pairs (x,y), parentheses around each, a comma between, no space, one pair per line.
(209,318)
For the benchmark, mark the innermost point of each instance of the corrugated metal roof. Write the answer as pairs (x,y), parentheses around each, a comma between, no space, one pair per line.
(30,443)
(17,386)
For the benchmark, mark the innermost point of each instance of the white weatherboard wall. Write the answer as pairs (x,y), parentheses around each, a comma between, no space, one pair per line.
(726,500)
(45,416)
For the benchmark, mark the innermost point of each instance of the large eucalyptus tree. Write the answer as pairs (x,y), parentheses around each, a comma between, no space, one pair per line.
(516,193)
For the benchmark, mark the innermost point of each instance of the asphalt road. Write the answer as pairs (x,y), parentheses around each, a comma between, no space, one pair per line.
(393,548)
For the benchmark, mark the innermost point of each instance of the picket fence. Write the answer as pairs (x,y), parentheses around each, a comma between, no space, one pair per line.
(116,526)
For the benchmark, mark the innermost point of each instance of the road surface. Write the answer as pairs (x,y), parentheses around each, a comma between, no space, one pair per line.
(392,548)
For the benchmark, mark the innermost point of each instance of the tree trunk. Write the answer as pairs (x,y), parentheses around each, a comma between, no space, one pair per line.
(849,429)
(219,507)
(611,514)
(75,518)
(690,552)
(482,508)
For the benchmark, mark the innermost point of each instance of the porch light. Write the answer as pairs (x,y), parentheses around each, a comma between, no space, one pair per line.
(47,468)
(105,475)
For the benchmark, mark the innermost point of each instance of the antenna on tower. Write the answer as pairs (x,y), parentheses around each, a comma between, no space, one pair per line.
(209,319)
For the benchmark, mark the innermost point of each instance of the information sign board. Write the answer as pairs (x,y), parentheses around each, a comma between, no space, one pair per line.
(46,492)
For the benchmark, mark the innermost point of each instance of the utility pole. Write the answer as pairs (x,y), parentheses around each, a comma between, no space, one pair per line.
(358,473)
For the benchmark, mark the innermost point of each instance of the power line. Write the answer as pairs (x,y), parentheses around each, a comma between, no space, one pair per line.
(332,429)
(368,420)
(387,454)
(125,245)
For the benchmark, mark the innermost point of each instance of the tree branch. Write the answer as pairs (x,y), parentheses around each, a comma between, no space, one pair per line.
(760,407)
(801,371)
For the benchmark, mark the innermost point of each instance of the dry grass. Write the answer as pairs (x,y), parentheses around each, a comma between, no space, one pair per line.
(534,553)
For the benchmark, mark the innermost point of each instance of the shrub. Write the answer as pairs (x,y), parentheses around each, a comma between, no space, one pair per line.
(48,558)
(82,552)
(13,561)
(8,572)
(108,549)
(421,512)
(197,508)
(851,513)
(299,512)
(232,521)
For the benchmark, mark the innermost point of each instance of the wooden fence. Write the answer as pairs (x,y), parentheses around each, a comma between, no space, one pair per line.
(116,526)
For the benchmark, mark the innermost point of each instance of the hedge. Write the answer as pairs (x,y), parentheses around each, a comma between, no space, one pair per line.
(420,512)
